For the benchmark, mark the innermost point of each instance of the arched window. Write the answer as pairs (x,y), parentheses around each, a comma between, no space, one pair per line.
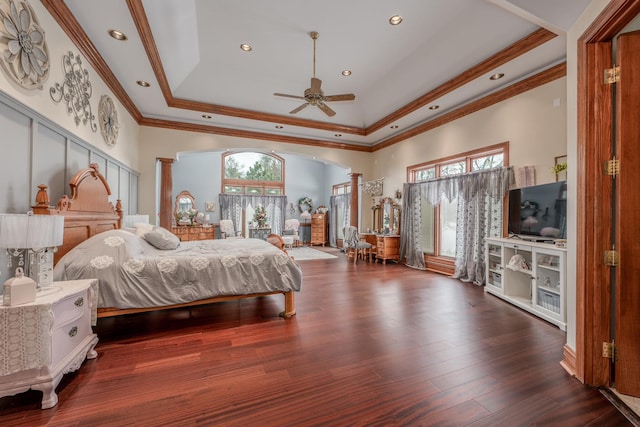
(252,173)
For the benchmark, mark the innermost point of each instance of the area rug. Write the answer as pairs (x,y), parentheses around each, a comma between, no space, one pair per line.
(306,253)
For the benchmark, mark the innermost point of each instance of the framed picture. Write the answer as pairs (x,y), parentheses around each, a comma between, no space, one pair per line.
(209,206)
(560,168)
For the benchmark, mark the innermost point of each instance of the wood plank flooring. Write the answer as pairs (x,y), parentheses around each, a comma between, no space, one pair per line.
(371,345)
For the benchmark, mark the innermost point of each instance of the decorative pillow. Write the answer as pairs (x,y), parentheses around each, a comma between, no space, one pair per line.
(162,239)
(288,232)
(142,229)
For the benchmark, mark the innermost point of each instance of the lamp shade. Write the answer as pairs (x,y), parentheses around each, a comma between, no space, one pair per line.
(30,231)
(305,215)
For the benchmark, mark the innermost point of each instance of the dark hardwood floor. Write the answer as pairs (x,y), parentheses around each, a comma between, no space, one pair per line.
(371,345)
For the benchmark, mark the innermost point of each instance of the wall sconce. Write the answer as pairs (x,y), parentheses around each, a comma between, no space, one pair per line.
(30,241)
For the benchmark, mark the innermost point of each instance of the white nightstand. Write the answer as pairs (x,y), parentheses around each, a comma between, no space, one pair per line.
(43,340)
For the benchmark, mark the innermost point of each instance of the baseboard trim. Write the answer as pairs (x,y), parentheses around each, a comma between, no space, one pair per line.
(569,360)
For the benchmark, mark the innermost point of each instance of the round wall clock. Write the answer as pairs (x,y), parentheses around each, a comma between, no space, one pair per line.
(108,117)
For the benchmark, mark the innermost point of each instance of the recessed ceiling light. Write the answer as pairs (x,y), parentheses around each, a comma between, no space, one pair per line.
(279,126)
(337,135)
(143,83)
(246,47)
(497,76)
(346,73)
(395,20)
(118,35)
(206,116)
(434,107)
(394,127)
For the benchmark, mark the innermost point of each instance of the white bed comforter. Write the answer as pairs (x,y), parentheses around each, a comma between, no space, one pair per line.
(134,274)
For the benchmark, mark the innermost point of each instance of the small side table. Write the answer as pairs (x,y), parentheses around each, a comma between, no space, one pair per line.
(259,233)
(49,338)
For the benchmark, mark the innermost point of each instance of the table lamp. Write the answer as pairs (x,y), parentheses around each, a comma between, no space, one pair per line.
(305,216)
(30,241)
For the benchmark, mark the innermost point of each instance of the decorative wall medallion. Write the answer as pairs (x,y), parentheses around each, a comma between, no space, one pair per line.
(108,117)
(75,91)
(25,56)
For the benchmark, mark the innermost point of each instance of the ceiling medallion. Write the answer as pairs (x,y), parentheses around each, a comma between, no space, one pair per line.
(24,55)
(75,90)
(108,117)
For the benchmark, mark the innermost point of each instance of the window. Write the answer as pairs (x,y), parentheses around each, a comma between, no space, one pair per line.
(343,188)
(253,174)
(439,222)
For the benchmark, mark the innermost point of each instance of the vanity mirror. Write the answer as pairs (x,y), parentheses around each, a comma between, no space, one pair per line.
(184,202)
(386,217)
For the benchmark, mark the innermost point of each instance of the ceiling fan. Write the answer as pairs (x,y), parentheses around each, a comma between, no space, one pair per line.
(314,95)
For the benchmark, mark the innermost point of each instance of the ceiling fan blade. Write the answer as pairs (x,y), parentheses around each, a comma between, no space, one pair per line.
(343,97)
(315,85)
(328,111)
(289,96)
(300,108)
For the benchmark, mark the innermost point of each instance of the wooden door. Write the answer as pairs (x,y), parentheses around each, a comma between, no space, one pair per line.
(627,288)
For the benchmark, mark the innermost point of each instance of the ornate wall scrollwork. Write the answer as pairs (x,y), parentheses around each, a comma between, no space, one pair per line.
(24,55)
(75,91)
(374,187)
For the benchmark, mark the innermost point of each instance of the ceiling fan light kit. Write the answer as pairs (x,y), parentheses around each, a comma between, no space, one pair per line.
(314,94)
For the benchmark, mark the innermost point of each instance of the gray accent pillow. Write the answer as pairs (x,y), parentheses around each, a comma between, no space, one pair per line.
(288,232)
(162,239)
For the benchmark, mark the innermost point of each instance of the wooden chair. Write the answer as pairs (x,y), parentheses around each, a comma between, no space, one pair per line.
(277,241)
(356,247)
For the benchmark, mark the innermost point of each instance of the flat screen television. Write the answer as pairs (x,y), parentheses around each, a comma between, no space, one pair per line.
(539,212)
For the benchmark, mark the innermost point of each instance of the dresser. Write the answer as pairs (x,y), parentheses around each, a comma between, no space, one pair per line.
(55,335)
(319,229)
(197,232)
(388,247)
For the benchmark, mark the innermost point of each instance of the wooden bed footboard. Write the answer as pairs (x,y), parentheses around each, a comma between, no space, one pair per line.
(289,305)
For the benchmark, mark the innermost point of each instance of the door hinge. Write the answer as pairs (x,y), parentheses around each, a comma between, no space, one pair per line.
(613,167)
(611,258)
(612,75)
(609,350)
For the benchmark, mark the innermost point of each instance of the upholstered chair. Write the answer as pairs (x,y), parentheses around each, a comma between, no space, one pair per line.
(354,246)
(291,227)
(227,229)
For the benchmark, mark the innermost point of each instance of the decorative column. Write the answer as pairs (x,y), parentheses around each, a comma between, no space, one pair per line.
(354,210)
(166,193)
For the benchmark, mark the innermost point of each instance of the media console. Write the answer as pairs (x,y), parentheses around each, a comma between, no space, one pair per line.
(537,285)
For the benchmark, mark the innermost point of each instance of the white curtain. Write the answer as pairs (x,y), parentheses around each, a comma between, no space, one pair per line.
(480,195)
(232,205)
(339,209)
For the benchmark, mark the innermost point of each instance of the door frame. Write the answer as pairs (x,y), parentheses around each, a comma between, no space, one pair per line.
(595,127)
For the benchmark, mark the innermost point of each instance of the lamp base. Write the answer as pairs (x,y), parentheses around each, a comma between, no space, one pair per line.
(41,266)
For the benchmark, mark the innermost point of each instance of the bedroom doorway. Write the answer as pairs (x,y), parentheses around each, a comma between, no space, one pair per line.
(626,286)
(604,313)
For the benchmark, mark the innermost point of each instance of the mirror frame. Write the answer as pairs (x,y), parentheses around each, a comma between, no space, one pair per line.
(379,212)
(183,194)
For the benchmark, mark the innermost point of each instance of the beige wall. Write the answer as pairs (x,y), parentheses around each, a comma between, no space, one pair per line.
(126,150)
(592,11)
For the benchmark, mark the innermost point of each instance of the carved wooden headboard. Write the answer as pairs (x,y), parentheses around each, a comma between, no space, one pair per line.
(86,213)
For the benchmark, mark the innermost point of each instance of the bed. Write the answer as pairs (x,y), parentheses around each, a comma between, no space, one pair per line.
(137,274)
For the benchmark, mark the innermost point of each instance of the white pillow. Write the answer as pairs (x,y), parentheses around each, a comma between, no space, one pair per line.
(162,239)
(142,229)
